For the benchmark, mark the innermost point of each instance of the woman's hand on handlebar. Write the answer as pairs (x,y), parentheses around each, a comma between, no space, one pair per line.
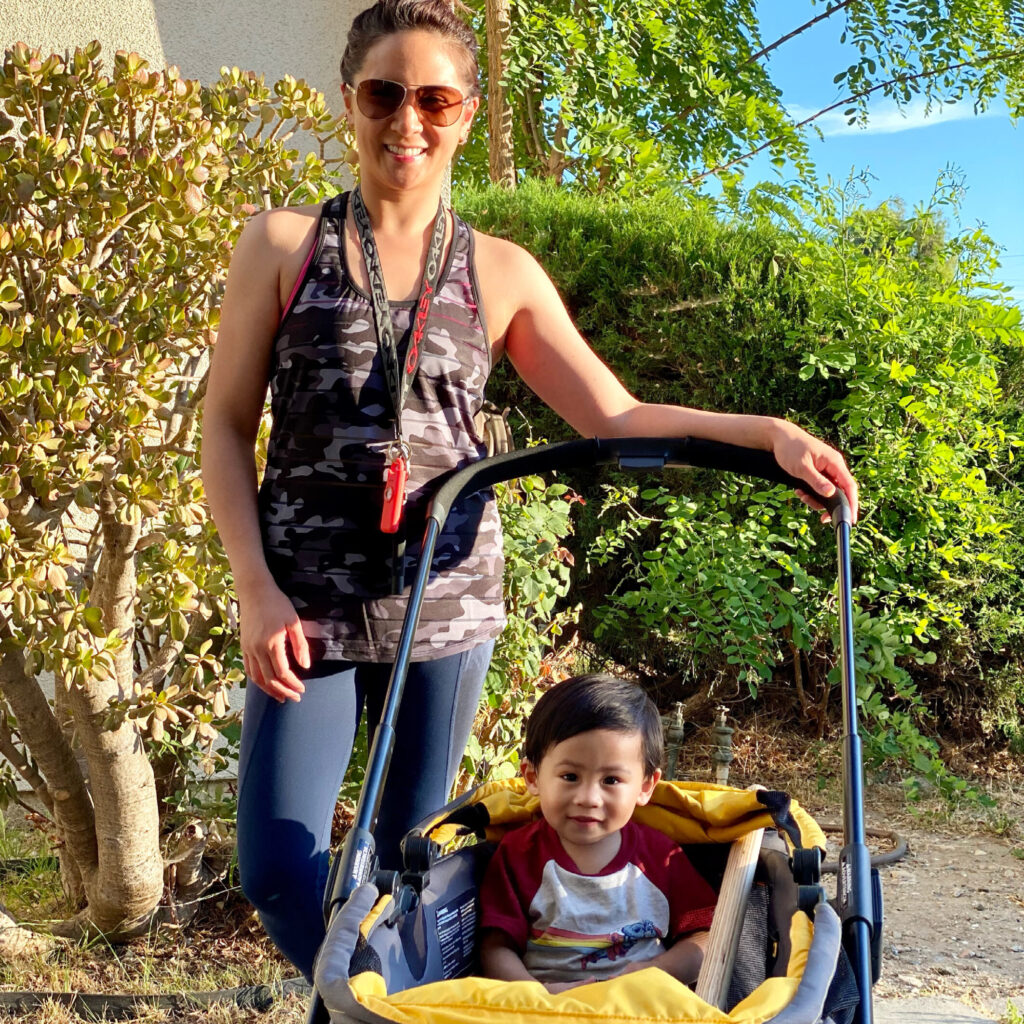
(272,643)
(804,456)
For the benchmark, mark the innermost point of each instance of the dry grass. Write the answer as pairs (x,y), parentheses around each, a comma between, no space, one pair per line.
(811,772)
(289,1011)
(223,947)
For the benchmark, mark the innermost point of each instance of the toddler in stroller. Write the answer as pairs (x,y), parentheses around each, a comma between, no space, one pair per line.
(585,893)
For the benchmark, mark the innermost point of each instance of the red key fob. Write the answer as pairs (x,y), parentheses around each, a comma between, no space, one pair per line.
(394,495)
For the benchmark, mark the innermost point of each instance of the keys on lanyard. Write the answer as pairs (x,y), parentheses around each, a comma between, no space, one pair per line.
(396,476)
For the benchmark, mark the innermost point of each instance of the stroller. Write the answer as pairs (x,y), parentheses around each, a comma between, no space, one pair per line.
(401,946)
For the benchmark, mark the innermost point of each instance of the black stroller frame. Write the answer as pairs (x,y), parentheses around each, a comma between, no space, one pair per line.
(858,889)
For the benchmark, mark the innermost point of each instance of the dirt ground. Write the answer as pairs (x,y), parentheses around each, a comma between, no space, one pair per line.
(955,919)
(954,904)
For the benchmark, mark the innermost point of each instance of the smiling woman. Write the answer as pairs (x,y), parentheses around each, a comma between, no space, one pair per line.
(376,320)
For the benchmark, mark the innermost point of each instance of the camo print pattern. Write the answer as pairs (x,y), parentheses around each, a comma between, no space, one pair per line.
(320,500)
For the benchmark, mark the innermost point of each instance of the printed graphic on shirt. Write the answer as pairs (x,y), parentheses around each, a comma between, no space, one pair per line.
(580,941)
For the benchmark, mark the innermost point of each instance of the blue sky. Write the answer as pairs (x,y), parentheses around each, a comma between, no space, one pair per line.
(904,151)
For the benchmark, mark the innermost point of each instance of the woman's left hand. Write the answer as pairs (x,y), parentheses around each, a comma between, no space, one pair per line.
(804,456)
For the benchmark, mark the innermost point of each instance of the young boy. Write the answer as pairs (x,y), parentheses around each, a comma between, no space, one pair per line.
(585,893)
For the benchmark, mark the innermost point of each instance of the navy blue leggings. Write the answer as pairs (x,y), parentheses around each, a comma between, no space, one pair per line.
(292,763)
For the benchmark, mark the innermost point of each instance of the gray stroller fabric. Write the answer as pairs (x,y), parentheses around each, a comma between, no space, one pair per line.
(331,969)
(808,1004)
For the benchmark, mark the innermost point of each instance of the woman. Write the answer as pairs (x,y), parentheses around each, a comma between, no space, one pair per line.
(317,303)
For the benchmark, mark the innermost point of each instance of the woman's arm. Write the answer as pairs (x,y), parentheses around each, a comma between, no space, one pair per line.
(560,367)
(263,257)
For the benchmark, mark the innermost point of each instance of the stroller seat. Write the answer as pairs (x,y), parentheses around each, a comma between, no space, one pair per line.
(411,956)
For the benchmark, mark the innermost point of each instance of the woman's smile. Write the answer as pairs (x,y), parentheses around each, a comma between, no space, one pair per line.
(406,154)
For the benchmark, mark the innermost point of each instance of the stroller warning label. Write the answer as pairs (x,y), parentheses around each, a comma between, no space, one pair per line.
(456,930)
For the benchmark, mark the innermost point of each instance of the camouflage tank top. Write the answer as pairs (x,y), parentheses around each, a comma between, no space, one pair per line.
(320,499)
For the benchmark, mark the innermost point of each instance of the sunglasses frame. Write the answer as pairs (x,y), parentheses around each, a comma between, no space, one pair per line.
(415,91)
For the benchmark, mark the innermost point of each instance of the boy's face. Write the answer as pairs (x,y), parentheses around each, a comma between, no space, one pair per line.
(589,784)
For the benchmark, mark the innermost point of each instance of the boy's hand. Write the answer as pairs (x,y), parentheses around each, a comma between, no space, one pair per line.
(554,987)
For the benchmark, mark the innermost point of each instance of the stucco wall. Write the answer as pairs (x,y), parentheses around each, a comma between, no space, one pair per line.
(303,38)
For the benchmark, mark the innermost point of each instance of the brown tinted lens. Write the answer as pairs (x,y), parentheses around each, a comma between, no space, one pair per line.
(439,104)
(378,98)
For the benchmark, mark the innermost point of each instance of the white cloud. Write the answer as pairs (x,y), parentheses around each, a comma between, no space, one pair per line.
(886,118)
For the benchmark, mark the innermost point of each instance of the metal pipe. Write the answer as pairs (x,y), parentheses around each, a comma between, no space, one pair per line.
(721,753)
(357,855)
(674,729)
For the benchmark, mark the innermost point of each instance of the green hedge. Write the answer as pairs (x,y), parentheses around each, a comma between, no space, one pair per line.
(866,326)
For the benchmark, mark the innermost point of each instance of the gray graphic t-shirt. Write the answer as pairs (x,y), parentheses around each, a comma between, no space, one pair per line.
(320,500)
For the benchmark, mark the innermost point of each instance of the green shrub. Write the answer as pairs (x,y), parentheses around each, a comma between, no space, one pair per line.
(868,327)
(122,190)
(536,523)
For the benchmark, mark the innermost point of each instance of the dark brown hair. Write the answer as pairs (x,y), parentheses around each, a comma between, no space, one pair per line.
(596,701)
(386,17)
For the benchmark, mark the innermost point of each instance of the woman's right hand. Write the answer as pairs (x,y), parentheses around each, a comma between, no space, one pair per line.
(270,631)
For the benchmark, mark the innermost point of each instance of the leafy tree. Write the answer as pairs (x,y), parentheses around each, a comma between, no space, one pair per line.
(120,196)
(655,93)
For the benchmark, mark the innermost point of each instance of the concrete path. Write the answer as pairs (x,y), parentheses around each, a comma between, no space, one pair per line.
(930,1010)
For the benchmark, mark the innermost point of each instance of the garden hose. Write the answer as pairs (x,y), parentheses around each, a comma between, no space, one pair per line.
(898,852)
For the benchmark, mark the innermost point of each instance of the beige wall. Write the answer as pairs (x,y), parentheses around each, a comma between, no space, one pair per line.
(302,38)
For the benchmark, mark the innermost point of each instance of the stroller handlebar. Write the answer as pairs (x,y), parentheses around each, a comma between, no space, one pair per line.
(635,453)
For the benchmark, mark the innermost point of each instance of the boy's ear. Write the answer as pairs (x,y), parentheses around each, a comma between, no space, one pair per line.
(529,773)
(647,789)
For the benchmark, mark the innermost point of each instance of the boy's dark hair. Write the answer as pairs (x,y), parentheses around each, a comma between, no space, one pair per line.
(595,701)
(386,17)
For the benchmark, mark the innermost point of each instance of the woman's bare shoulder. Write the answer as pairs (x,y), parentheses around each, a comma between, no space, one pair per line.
(505,267)
(284,230)
(512,284)
(492,249)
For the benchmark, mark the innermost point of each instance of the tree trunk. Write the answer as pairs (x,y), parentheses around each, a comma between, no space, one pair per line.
(499,112)
(39,730)
(126,884)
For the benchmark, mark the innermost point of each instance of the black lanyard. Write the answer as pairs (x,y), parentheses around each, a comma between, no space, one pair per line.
(399,377)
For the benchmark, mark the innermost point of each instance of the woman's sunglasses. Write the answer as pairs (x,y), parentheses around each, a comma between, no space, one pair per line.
(378,98)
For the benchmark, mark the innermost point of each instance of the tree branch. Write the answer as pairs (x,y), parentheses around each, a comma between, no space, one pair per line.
(41,733)
(797,31)
(899,79)
(534,134)
(99,245)
(24,765)
(161,663)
